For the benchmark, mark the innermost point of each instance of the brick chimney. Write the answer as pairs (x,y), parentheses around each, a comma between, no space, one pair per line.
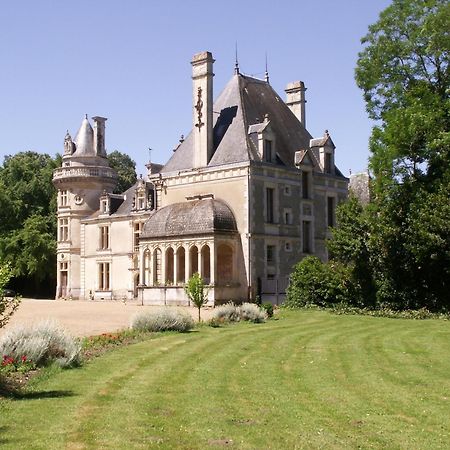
(202,76)
(295,99)
(99,135)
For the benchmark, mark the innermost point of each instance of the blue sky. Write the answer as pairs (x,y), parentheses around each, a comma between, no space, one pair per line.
(130,61)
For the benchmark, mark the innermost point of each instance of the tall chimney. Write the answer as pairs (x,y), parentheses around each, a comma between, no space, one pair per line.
(99,135)
(202,76)
(295,99)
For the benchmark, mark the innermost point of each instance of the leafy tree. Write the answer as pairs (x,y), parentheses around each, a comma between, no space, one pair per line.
(125,168)
(196,291)
(399,246)
(27,218)
(7,305)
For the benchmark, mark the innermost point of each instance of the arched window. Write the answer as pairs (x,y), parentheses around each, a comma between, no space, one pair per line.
(206,264)
(193,260)
(157,275)
(224,263)
(147,271)
(169,265)
(181,264)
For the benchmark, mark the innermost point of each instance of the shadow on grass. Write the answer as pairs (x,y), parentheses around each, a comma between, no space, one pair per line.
(16,394)
(3,432)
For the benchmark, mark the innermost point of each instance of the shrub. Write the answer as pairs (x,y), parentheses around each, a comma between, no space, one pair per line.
(252,313)
(42,343)
(268,307)
(196,291)
(7,305)
(316,283)
(163,320)
(227,313)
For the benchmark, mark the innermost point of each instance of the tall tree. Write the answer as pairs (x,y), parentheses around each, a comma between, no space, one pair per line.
(125,168)
(405,239)
(28,223)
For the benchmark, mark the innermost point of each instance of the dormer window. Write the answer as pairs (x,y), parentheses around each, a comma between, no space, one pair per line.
(104,206)
(327,163)
(140,200)
(267,150)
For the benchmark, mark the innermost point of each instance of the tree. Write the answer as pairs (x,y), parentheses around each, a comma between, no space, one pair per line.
(27,219)
(7,305)
(196,291)
(404,234)
(125,168)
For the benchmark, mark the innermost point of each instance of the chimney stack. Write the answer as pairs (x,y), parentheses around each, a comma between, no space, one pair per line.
(295,99)
(202,76)
(99,135)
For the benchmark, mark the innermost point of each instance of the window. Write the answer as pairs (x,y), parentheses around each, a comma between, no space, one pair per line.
(63,198)
(270,254)
(64,230)
(103,276)
(305,184)
(104,206)
(104,238)
(327,162)
(136,234)
(288,219)
(330,211)
(267,151)
(269,205)
(306,228)
(140,200)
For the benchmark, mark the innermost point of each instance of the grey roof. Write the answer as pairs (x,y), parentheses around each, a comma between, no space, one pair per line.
(244,102)
(205,216)
(84,140)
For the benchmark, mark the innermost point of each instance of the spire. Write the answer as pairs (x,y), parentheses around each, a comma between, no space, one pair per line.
(236,63)
(266,75)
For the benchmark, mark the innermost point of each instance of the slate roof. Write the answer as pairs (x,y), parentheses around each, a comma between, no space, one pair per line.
(205,216)
(244,102)
(84,140)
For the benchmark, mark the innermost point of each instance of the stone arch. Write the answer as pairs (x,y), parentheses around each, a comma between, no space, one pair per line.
(147,267)
(193,260)
(206,263)
(157,268)
(181,265)
(224,263)
(170,266)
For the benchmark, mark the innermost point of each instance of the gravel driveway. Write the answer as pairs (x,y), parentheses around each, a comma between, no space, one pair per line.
(86,318)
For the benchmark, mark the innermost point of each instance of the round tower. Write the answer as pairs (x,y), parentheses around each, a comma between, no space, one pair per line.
(81,180)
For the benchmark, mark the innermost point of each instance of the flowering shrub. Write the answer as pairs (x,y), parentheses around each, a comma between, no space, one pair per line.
(252,313)
(11,364)
(226,313)
(163,320)
(232,313)
(42,343)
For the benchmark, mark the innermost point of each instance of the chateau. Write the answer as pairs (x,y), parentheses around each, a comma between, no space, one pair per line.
(244,197)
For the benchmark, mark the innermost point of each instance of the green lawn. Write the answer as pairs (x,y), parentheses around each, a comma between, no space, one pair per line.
(308,380)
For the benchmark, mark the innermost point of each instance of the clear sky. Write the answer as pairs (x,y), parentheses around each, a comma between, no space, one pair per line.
(130,61)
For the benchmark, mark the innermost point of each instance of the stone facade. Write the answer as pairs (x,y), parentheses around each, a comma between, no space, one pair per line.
(246,195)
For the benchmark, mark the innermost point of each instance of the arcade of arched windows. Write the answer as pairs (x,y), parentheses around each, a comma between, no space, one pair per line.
(174,263)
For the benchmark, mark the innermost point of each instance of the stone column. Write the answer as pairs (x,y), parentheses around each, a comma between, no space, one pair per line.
(199,261)
(212,262)
(163,265)
(142,266)
(175,266)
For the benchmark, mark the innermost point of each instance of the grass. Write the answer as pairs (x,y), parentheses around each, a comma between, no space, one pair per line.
(309,380)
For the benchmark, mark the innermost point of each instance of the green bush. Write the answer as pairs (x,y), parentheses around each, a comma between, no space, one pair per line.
(163,320)
(316,283)
(268,307)
(41,344)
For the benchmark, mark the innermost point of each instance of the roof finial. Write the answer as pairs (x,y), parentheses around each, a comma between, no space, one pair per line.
(85,116)
(236,63)
(266,76)
(150,155)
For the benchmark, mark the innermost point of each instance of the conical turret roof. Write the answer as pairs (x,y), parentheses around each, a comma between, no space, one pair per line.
(84,140)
